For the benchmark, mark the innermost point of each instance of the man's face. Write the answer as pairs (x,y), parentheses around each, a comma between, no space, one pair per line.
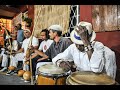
(43,36)
(15,28)
(27,34)
(80,47)
(18,26)
(52,34)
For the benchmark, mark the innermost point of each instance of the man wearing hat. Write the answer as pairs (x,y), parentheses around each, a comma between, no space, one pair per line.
(87,54)
(21,54)
(59,45)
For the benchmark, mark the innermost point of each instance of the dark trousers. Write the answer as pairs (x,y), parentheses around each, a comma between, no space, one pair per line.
(34,63)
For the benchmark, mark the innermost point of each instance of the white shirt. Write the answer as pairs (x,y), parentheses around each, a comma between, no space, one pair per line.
(81,60)
(14,45)
(35,42)
(45,45)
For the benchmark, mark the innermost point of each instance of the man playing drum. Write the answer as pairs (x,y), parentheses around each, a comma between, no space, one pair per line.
(59,45)
(88,55)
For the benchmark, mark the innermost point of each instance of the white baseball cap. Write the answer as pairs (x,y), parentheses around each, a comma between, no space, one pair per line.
(55,27)
(28,30)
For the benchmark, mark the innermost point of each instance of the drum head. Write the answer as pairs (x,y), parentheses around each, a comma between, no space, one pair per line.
(50,69)
(89,78)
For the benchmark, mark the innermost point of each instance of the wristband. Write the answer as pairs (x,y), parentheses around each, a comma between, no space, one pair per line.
(87,48)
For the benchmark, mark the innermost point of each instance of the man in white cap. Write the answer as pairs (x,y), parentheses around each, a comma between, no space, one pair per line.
(59,45)
(87,54)
(21,54)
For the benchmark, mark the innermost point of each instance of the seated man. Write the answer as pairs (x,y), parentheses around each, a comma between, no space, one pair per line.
(44,45)
(22,53)
(59,45)
(87,55)
(7,52)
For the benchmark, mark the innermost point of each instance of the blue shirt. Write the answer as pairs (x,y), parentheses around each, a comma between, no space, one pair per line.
(20,35)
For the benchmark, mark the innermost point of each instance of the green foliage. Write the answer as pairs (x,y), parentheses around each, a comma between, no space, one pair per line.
(27,20)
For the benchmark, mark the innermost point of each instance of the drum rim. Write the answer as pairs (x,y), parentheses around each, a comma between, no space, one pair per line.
(53,75)
(70,77)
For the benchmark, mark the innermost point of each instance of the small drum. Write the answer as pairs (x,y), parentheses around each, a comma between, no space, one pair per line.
(89,78)
(50,74)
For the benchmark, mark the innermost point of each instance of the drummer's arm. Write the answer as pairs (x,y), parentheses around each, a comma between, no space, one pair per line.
(42,54)
(61,56)
(88,48)
(33,55)
(97,59)
(20,50)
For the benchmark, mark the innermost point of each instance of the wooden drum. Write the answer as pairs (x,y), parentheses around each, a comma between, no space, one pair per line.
(50,74)
(89,78)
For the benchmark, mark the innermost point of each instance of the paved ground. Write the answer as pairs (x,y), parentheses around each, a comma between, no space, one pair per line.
(11,80)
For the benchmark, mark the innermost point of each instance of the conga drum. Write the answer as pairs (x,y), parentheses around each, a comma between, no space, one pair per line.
(50,74)
(89,78)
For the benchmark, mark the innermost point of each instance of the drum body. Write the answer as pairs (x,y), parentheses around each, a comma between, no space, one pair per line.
(89,78)
(50,74)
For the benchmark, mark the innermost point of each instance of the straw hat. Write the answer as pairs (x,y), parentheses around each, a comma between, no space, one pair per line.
(76,38)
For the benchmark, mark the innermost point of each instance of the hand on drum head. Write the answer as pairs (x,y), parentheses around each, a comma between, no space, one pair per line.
(66,65)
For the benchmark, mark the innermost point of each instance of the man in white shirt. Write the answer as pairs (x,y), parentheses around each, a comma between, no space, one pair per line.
(87,55)
(44,45)
(21,54)
(7,53)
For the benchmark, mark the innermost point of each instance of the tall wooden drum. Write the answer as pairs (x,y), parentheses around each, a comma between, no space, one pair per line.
(50,74)
(89,78)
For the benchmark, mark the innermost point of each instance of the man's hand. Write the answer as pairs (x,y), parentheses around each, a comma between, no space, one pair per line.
(31,47)
(65,65)
(83,33)
(27,58)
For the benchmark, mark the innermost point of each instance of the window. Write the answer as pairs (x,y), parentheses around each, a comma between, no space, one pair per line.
(74,18)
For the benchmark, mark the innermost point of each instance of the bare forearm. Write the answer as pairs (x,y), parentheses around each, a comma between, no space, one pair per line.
(41,54)
(34,55)
(43,58)
(19,51)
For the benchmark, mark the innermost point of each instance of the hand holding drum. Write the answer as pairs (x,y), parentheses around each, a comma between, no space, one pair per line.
(66,65)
